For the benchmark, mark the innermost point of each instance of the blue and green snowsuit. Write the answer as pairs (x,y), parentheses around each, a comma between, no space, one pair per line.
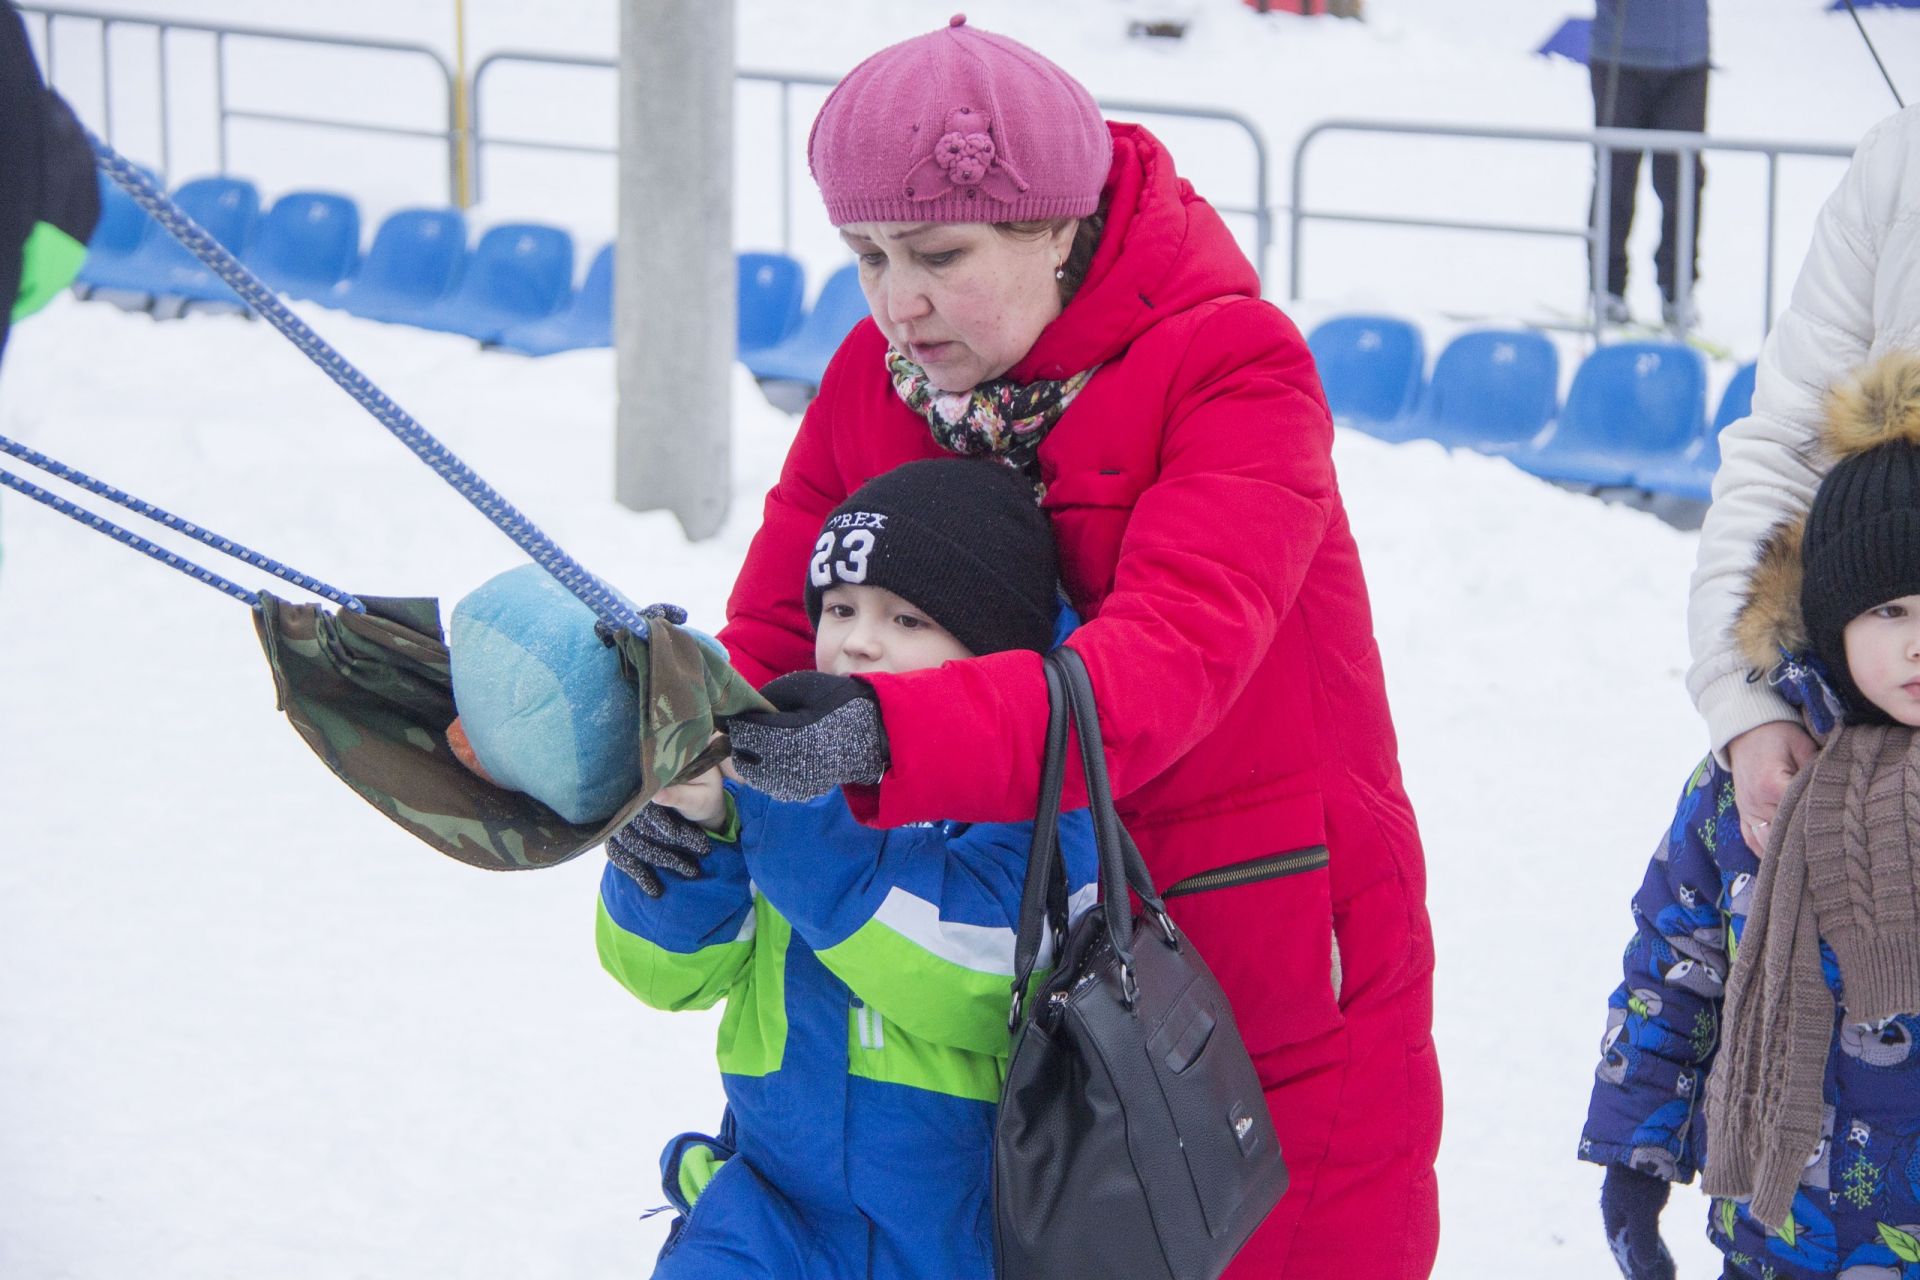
(1857,1212)
(866,975)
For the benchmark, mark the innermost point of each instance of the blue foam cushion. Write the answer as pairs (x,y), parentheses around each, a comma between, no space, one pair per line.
(541,699)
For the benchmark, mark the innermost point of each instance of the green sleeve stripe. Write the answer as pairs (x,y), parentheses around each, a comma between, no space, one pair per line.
(753,1033)
(931,998)
(49,260)
(878,1049)
(666,979)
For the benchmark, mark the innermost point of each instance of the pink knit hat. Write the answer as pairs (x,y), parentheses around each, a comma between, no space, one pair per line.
(958,125)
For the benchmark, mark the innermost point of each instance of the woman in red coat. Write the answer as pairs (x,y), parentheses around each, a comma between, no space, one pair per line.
(1045,289)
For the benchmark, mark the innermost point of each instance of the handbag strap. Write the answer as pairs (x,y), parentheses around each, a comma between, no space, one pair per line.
(1121,865)
(1046,878)
(1070,702)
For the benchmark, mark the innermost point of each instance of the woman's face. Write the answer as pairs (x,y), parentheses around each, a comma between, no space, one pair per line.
(965,302)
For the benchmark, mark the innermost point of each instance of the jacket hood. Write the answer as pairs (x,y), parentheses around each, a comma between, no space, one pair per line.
(1880,405)
(1163,250)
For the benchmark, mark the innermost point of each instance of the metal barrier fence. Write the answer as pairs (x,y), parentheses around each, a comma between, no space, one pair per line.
(1603,143)
(476,140)
(54,20)
(1260,210)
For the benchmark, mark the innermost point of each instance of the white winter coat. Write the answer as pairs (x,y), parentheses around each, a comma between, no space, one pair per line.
(1858,295)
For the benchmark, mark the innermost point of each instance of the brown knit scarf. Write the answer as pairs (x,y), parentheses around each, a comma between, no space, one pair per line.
(1844,865)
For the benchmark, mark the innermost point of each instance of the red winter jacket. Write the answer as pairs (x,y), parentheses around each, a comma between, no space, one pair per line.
(1203,539)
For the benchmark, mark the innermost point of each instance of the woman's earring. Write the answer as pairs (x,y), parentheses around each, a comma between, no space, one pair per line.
(1059,273)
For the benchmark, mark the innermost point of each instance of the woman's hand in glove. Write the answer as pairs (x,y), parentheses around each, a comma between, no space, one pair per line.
(823,732)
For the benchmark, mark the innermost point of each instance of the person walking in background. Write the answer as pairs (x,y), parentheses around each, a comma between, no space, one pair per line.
(1648,66)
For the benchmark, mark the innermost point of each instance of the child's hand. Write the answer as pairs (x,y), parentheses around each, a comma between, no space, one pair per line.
(658,838)
(702,801)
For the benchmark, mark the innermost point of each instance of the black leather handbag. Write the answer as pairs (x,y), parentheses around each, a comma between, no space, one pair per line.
(1133,1139)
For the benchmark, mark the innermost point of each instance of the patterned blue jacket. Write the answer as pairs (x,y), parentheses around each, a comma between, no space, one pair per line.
(1857,1214)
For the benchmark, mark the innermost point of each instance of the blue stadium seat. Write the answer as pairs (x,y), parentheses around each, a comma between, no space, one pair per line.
(307,243)
(117,237)
(1490,388)
(1692,475)
(416,260)
(1632,405)
(586,322)
(519,271)
(772,296)
(1371,368)
(160,267)
(1736,402)
(803,356)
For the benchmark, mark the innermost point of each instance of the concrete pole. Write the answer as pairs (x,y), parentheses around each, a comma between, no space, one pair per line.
(673,270)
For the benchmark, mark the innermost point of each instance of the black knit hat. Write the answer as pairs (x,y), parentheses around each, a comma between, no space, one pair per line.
(1862,544)
(961,538)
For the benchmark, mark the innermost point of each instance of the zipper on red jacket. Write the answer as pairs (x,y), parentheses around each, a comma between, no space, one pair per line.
(1272,866)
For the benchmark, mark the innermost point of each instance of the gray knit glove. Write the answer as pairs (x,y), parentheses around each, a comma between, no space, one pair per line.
(658,837)
(823,732)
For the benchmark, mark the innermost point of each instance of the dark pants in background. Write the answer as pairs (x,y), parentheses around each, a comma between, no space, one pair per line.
(1645,98)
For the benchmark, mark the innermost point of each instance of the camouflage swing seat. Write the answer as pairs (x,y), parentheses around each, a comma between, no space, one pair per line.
(372,694)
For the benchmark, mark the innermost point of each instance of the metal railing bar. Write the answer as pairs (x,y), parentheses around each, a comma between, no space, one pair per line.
(1686,148)
(541,144)
(280,117)
(1261,211)
(224,115)
(233,29)
(1441,224)
(166,127)
(1620,139)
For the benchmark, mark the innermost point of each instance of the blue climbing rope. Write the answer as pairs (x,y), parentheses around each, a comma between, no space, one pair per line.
(127,537)
(590,590)
(34,458)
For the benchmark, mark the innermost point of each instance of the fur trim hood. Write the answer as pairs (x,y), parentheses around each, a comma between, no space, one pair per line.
(1878,406)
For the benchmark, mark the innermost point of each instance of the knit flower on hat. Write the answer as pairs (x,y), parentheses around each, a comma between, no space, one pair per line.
(965,158)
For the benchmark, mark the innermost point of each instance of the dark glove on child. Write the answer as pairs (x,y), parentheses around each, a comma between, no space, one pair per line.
(1630,1205)
(658,837)
(823,732)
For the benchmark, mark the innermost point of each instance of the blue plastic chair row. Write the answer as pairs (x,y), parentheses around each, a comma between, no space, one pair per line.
(802,358)
(514,289)
(1634,417)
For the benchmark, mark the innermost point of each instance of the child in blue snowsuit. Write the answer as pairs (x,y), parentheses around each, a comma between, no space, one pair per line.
(866,973)
(1825,1183)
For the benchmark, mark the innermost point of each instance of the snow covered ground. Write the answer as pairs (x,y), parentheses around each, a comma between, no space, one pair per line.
(248,1028)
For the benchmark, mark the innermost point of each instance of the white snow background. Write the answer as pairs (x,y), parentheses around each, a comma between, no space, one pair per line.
(248,1028)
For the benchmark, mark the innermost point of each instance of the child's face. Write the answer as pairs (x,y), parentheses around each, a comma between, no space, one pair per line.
(868,629)
(1883,657)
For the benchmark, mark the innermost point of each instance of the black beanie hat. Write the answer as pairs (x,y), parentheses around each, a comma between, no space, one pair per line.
(961,538)
(1862,544)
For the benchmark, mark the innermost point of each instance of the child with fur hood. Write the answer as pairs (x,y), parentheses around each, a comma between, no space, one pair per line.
(1768,1028)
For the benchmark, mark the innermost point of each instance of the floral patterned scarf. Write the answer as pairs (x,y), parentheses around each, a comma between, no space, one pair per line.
(999,418)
